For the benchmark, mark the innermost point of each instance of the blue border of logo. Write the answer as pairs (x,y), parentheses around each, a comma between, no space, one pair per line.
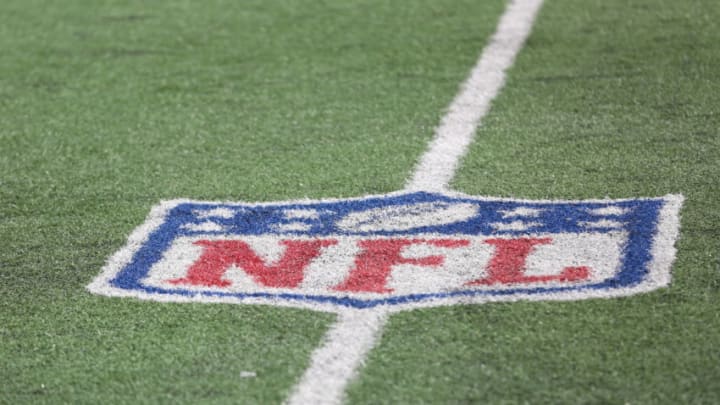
(639,219)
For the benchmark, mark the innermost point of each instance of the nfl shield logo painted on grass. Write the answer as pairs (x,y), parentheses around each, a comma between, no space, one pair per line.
(399,251)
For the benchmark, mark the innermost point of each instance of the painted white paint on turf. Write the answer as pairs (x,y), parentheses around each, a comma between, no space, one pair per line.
(336,361)
(407,217)
(452,138)
(350,339)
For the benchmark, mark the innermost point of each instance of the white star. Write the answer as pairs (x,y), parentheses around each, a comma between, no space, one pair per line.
(514,225)
(608,211)
(521,212)
(215,213)
(300,213)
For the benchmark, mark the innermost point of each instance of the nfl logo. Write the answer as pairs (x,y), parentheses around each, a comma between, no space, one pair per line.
(398,251)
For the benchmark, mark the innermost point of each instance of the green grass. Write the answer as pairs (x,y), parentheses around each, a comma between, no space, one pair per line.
(108,107)
(609,98)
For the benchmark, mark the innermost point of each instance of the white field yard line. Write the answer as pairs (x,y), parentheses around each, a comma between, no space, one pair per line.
(452,138)
(345,346)
(335,362)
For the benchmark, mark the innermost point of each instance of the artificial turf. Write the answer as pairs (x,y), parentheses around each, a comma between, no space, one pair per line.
(108,107)
(607,99)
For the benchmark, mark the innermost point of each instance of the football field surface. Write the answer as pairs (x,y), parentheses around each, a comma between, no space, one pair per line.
(107,108)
